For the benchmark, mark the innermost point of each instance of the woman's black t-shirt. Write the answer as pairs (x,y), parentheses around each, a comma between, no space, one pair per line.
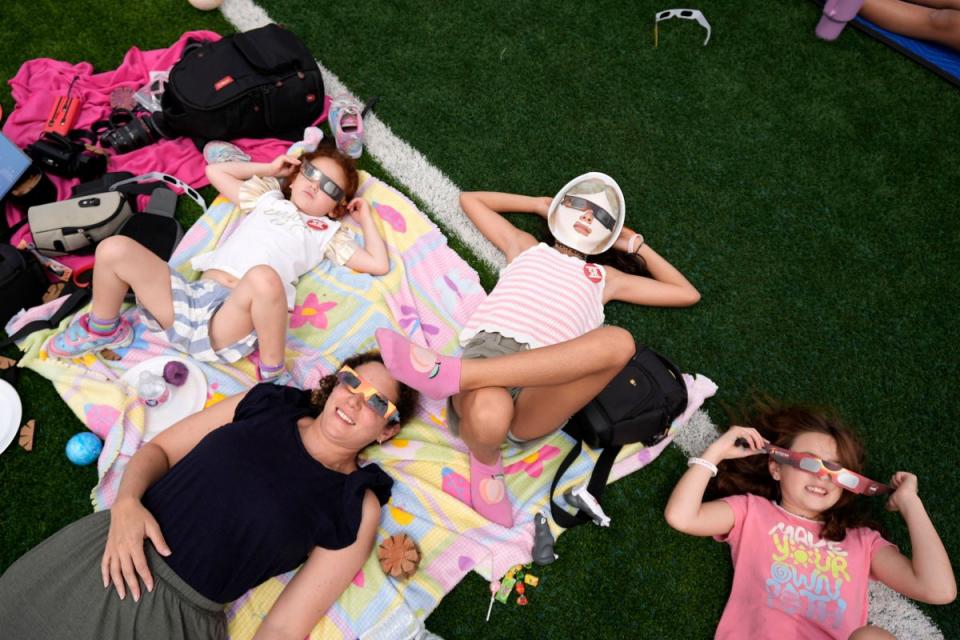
(249,503)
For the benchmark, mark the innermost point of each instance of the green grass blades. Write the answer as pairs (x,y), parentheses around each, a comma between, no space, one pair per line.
(807,189)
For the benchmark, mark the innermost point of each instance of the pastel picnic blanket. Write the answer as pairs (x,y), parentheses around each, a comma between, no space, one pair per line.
(429,293)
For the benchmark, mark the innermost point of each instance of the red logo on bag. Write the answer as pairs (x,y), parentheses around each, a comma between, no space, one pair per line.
(592,272)
(319,225)
(311,97)
(222,82)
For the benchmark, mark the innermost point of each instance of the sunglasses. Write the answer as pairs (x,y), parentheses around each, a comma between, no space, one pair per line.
(843,478)
(375,400)
(328,186)
(599,213)
(684,14)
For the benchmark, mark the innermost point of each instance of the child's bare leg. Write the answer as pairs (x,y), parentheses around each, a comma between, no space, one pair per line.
(938,4)
(595,352)
(541,410)
(870,632)
(485,416)
(258,303)
(122,264)
(439,376)
(925,22)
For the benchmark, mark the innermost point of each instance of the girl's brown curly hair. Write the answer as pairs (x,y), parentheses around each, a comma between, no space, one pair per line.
(346,163)
(781,425)
(406,402)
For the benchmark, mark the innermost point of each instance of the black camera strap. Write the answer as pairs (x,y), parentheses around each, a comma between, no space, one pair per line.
(596,485)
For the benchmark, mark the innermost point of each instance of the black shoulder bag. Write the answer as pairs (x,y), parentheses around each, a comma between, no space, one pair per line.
(638,405)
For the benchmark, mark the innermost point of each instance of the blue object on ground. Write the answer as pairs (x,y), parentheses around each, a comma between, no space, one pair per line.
(943,61)
(83,448)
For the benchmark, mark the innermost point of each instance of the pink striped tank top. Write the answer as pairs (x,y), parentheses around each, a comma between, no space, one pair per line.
(543,297)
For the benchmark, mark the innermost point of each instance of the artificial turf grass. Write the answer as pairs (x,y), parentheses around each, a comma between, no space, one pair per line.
(806,188)
(792,181)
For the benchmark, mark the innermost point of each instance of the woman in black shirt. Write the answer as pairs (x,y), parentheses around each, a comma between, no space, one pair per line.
(247,489)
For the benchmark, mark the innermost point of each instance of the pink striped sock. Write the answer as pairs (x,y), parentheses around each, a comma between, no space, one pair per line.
(102,327)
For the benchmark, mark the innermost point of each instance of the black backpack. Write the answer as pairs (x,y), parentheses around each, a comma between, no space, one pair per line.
(22,281)
(638,405)
(262,83)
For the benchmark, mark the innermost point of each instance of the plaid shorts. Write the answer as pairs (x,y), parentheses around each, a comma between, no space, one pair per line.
(194,304)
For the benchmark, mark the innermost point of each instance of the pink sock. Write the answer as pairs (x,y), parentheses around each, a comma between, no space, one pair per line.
(428,372)
(488,491)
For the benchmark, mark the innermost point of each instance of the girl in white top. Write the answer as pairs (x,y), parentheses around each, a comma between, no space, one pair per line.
(247,284)
(548,304)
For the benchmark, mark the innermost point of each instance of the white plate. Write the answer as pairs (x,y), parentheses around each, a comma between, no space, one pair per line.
(10,413)
(183,401)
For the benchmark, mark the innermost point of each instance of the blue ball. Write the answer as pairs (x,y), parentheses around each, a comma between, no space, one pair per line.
(83,448)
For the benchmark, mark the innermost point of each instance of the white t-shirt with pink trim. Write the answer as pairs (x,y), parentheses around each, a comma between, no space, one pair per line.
(788,582)
(543,297)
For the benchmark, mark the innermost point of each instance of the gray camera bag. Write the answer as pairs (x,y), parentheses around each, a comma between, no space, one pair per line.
(70,226)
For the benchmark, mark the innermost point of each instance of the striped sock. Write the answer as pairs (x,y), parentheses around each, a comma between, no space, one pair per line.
(102,327)
(270,371)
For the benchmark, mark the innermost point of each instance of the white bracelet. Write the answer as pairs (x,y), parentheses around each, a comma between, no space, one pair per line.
(706,464)
(630,242)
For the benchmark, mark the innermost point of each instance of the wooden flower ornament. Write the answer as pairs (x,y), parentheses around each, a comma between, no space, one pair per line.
(399,556)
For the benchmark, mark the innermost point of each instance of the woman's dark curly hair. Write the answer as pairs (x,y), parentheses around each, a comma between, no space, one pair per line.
(781,425)
(325,150)
(406,402)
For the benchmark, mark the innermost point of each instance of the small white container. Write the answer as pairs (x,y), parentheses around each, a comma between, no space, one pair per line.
(152,390)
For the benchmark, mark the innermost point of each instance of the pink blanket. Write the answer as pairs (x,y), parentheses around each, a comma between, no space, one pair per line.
(39,81)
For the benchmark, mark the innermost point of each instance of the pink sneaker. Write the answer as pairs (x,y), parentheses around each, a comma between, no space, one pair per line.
(77,340)
(836,15)
(346,123)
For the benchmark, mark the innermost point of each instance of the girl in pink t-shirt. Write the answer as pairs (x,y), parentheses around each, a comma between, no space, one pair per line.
(803,554)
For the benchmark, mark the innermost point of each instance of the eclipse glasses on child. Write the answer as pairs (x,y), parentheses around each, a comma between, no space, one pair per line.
(328,186)
(840,476)
(375,400)
(599,213)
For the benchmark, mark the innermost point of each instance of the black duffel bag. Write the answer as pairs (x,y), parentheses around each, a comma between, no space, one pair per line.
(638,405)
(258,84)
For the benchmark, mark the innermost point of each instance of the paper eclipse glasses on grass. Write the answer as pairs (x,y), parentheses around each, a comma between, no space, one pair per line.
(684,14)
(840,476)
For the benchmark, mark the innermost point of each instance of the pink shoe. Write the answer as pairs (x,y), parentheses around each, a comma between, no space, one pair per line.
(836,15)
(77,340)
(346,124)
(428,372)
(488,491)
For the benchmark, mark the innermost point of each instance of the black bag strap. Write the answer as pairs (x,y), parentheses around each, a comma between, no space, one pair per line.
(77,298)
(596,485)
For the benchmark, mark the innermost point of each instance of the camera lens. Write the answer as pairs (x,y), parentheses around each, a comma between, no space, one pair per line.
(136,134)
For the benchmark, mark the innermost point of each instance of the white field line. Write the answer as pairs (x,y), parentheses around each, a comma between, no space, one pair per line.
(407,165)
(431,186)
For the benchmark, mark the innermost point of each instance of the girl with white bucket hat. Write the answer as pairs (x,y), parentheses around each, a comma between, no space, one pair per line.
(536,350)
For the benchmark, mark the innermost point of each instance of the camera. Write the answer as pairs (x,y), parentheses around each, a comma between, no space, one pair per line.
(135,134)
(67,156)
